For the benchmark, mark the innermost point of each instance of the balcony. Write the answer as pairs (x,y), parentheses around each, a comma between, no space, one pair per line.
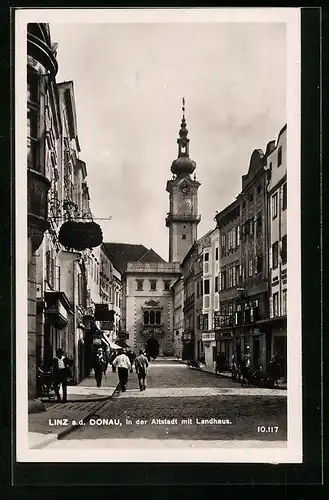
(37,207)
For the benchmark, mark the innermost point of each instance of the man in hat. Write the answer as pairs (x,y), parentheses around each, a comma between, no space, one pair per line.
(61,369)
(123,364)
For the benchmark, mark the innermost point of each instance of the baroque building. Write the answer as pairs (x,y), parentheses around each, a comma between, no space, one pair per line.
(147,298)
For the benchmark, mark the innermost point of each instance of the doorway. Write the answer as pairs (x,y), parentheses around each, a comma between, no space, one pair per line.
(152,347)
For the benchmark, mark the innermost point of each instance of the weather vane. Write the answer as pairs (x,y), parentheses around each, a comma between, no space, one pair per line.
(183,108)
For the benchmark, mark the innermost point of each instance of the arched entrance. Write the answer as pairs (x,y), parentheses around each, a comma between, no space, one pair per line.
(152,347)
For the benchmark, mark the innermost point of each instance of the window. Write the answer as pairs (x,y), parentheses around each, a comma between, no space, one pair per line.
(275,255)
(274,205)
(152,317)
(284,250)
(223,280)
(216,253)
(206,257)
(237,275)
(284,196)
(205,322)
(259,225)
(230,277)
(183,236)
(198,290)
(284,302)
(139,286)
(206,287)
(279,156)
(250,268)
(82,297)
(223,244)
(250,197)
(259,188)
(276,304)
(237,229)
(153,285)
(216,284)
(167,284)
(50,269)
(259,264)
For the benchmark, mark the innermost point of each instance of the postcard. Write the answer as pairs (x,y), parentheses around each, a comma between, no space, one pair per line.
(154,199)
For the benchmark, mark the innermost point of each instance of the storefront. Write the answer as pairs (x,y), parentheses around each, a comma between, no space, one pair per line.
(59,326)
(224,346)
(210,353)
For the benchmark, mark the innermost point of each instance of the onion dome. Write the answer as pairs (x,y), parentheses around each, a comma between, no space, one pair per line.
(183,166)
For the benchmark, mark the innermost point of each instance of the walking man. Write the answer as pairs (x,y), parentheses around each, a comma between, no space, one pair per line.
(123,364)
(141,365)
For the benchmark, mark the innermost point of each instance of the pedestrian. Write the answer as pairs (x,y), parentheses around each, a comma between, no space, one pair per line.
(99,364)
(61,370)
(123,364)
(141,365)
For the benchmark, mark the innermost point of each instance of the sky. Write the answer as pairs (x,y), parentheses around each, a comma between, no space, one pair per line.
(129,80)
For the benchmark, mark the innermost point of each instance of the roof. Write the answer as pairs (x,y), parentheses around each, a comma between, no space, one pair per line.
(121,253)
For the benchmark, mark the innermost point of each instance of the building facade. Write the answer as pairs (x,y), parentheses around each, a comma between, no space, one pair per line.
(42,68)
(209,250)
(229,279)
(178,293)
(277,223)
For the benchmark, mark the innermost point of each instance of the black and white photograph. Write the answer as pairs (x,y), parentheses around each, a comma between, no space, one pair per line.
(162,170)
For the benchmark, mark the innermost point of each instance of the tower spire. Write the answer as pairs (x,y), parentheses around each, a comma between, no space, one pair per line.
(183,165)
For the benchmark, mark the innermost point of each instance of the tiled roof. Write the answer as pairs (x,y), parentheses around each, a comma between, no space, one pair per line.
(121,253)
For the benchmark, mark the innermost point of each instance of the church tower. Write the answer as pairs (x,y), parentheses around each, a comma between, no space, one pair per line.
(183,217)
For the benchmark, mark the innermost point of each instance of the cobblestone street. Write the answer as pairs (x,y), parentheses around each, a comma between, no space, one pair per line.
(181,403)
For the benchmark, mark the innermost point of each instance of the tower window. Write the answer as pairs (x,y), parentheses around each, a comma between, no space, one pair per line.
(183,236)
(279,156)
(206,257)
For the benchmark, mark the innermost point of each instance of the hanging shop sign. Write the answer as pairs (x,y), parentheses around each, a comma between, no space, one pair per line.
(80,235)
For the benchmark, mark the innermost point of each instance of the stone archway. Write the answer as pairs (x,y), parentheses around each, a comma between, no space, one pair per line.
(152,347)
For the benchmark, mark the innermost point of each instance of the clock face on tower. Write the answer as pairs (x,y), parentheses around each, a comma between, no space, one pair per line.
(185,190)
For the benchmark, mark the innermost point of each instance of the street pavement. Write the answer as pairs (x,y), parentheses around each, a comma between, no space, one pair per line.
(179,404)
